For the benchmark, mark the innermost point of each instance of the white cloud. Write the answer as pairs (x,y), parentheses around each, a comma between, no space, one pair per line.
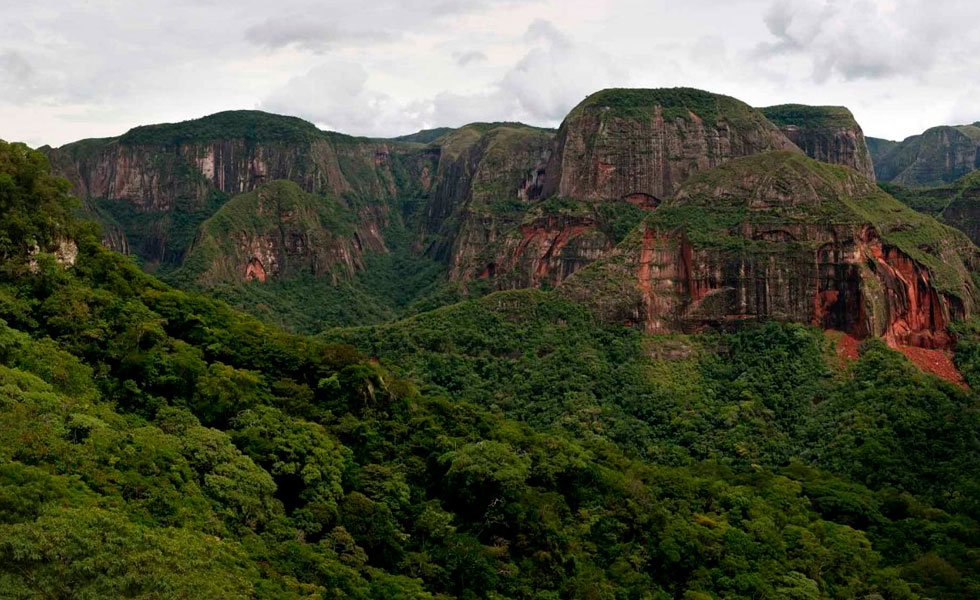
(473,56)
(861,39)
(386,67)
(555,73)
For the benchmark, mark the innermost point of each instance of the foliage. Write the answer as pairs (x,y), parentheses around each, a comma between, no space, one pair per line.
(675,103)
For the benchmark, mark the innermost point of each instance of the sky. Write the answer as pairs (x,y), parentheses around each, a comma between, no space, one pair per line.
(73,69)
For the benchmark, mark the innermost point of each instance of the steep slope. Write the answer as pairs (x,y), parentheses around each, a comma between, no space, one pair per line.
(826,133)
(487,219)
(783,237)
(617,154)
(160,182)
(938,155)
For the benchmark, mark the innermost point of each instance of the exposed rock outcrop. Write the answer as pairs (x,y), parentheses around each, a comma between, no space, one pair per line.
(782,237)
(622,142)
(160,182)
(826,133)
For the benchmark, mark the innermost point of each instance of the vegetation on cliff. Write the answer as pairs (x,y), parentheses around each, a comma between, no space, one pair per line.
(803,115)
(161,443)
(250,125)
(675,103)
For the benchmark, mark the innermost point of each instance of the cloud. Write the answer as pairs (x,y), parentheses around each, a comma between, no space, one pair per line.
(17,77)
(300,30)
(473,56)
(966,108)
(557,73)
(553,76)
(335,95)
(861,39)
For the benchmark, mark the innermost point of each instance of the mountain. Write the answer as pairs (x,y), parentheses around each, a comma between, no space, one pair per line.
(936,156)
(160,182)
(640,145)
(826,133)
(157,443)
(311,229)
(878,147)
(278,230)
(782,237)
(957,204)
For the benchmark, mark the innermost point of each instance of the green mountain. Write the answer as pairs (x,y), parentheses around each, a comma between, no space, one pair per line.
(156,443)
(938,155)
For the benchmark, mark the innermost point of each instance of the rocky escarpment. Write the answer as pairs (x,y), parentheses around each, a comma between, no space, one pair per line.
(160,182)
(488,177)
(277,231)
(938,155)
(640,145)
(826,133)
(617,154)
(783,237)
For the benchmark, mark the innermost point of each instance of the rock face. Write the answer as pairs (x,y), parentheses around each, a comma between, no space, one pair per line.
(825,133)
(640,145)
(278,231)
(938,155)
(160,182)
(488,220)
(782,237)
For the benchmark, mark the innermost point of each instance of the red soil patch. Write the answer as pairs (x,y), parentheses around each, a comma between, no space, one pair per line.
(937,362)
(847,347)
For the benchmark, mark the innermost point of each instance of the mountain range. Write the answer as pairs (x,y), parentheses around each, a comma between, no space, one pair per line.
(678,348)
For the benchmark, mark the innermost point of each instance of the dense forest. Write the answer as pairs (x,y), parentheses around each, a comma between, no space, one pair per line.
(156,443)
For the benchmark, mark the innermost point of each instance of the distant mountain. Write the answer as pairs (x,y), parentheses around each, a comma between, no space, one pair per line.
(425,136)
(938,155)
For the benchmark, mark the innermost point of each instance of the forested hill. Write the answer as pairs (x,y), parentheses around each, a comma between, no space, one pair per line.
(155,443)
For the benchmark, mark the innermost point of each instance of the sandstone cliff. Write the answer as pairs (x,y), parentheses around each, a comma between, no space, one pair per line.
(640,145)
(826,133)
(938,155)
(617,154)
(160,182)
(782,237)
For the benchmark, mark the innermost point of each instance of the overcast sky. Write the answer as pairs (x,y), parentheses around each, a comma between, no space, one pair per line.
(76,69)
